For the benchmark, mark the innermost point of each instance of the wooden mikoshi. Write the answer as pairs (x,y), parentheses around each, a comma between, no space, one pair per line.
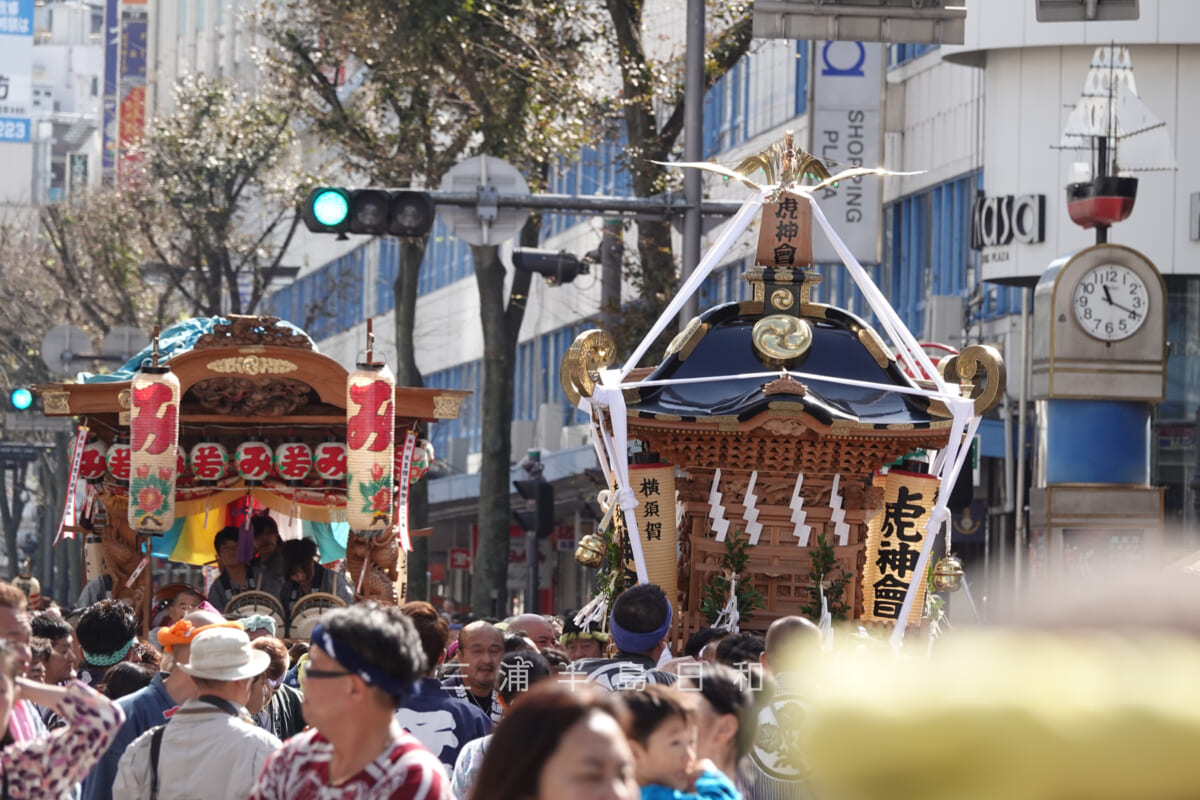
(241,379)
(777,412)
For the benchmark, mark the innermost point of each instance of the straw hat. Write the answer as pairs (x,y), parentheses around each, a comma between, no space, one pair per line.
(224,654)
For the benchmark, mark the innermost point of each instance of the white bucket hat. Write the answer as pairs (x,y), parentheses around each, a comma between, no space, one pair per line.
(224,654)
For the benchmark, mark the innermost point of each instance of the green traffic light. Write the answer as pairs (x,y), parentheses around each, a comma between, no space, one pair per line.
(330,207)
(21,399)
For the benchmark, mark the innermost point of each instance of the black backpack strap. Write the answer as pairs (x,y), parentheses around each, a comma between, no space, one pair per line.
(155,747)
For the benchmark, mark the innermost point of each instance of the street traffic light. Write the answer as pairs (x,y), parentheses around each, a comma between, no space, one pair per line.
(375,212)
(541,520)
(557,267)
(20,399)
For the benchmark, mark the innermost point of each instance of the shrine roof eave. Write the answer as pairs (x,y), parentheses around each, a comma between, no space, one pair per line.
(326,377)
(931,433)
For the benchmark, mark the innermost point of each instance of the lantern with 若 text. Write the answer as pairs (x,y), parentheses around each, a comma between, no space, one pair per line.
(208,461)
(293,461)
(117,460)
(154,450)
(253,461)
(370,426)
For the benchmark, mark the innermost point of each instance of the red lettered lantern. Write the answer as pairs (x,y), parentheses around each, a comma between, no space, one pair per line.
(91,464)
(370,426)
(208,461)
(329,461)
(293,460)
(117,460)
(154,448)
(253,460)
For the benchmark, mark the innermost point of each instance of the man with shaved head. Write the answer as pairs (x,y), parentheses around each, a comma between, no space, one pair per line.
(480,648)
(790,643)
(535,628)
(154,704)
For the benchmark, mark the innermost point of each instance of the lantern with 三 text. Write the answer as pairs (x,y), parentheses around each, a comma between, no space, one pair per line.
(329,462)
(208,461)
(293,461)
(92,465)
(370,427)
(154,450)
(253,461)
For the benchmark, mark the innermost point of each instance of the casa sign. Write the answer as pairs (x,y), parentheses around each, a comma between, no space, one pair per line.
(1001,220)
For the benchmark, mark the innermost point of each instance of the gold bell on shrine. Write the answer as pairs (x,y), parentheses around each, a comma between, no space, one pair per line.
(590,551)
(948,574)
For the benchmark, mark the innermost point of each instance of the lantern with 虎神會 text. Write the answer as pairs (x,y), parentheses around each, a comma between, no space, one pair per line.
(370,426)
(154,450)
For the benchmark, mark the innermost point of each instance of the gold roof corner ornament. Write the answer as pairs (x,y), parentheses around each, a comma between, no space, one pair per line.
(979,369)
(590,352)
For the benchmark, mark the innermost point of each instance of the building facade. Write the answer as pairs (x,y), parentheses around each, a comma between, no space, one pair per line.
(977,122)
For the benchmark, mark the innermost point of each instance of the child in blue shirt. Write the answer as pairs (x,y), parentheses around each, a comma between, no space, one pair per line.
(663,743)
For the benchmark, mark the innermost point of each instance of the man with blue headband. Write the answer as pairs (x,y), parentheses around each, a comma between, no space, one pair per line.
(640,624)
(363,661)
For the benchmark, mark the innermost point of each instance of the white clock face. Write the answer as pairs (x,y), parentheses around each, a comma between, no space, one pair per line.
(1110,302)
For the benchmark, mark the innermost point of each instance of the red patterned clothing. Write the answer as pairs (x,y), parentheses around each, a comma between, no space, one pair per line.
(300,771)
(51,765)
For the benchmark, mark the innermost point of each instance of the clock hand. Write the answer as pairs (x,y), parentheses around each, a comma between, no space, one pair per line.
(1107,297)
(1135,314)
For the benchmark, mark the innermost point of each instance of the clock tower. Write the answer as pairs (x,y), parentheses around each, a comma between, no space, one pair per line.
(1099,365)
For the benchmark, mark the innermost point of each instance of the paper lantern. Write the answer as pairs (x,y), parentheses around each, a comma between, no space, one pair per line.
(253,461)
(293,460)
(422,460)
(370,427)
(117,460)
(92,465)
(154,450)
(208,461)
(329,461)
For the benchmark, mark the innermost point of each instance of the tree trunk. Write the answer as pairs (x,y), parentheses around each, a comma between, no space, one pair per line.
(501,327)
(12,508)
(412,253)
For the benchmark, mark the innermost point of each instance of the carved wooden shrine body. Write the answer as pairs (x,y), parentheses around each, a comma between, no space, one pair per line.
(248,378)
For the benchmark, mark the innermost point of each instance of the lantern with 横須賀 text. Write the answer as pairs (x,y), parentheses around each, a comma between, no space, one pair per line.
(154,450)
(370,427)
(253,461)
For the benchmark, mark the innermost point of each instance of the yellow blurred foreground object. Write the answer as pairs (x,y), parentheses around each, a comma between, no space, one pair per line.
(1004,714)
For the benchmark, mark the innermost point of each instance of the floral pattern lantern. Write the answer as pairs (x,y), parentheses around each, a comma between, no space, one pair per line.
(293,461)
(117,460)
(329,461)
(422,460)
(208,461)
(253,461)
(92,465)
(370,428)
(154,449)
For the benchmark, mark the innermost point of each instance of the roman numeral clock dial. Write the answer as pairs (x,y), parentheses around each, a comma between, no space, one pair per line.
(1110,302)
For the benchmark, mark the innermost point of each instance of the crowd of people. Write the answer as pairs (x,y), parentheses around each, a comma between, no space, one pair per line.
(381,702)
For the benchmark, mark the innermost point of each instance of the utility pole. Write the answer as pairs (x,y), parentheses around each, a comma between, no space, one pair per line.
(693,150)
